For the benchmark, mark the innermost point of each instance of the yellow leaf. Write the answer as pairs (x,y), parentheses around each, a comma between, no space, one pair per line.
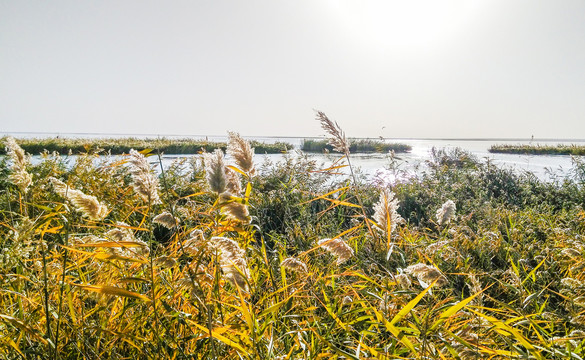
(112,290)
(216,335)
(111,244)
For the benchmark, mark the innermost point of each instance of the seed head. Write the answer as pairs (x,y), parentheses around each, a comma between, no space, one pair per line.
(385,212)
(233,182)
(87,204)
(294,265)
(242,153)
(338,248)
(19,176)
(427,274)
(232,261)
(233,209)
(403,281)
(143,180)
(336,135)
(215,169)
(166,219)
(446,212)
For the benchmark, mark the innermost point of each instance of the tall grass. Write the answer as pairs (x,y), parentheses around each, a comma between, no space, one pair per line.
(356,146)
(538,149)
(303,276)
(124,145)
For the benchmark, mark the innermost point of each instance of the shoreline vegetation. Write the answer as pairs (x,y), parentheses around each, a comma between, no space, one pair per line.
(117,146)
(218,257)
(356,146)
(559,149)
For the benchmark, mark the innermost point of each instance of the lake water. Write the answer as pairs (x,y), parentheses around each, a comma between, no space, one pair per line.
(376,165)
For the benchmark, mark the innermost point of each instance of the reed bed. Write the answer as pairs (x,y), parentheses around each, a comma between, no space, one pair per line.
(559,149)
(124,145)
(356,146)
(106,259)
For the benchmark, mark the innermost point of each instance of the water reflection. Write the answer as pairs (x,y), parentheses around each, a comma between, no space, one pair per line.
(384,168)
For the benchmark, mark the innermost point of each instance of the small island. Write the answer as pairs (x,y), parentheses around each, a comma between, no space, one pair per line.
(537,149)
(116,146)
(356,146)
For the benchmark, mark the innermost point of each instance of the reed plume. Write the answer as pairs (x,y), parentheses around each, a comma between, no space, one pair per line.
(426,274)
(123,234)
(338,248)
(87,204)
(143,180)
(195,242)
(446,212)
(233,209)
(19,176)
(385,212)
(243,154)
(294,265)
(233,182)
(166,219)
(215,170)
(232,261)
(403,281)
(336,135)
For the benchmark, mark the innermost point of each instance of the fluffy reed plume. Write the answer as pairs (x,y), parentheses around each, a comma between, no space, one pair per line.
(337,136)
(18,176)
(446,212)
(242,153)
(122,233)
(403,281)
(195,243)
(475,288)
(165,262)
(232,261)
(571,283)
(87,204)
(166,219)
(143,180)
(294,265)
(215,169)
(234,210)
(426,274)
(570,252)
(338,248)
(385,214)
(233,182)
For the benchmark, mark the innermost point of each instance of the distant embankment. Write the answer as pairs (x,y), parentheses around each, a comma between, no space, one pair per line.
(356,146)
(123,146)
(538,149)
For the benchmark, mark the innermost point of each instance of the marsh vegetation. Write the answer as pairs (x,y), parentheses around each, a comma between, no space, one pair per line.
(559,149)
(287,260)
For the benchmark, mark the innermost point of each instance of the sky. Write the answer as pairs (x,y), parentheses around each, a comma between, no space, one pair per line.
(397,69)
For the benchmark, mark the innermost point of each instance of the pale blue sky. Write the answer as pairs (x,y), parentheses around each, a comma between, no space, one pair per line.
(454,68)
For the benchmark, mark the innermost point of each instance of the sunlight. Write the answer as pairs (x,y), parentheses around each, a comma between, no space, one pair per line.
(402,25)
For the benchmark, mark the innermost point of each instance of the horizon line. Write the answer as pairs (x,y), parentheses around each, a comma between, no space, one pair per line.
(64,134)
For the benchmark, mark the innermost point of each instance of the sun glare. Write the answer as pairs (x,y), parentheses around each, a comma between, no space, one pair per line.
(402,25)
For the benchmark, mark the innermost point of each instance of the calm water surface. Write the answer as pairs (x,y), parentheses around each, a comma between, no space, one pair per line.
(377,165)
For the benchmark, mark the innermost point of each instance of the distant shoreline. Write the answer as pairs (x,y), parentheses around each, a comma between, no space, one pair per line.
(199,136)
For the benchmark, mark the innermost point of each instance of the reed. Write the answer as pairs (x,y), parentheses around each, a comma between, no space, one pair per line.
(356,146)
(119,146)
(297,273)
(538,149)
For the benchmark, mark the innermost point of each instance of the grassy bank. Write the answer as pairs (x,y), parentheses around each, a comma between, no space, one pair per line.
(293,263)
(560,149)
(124,145)
(356,146)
